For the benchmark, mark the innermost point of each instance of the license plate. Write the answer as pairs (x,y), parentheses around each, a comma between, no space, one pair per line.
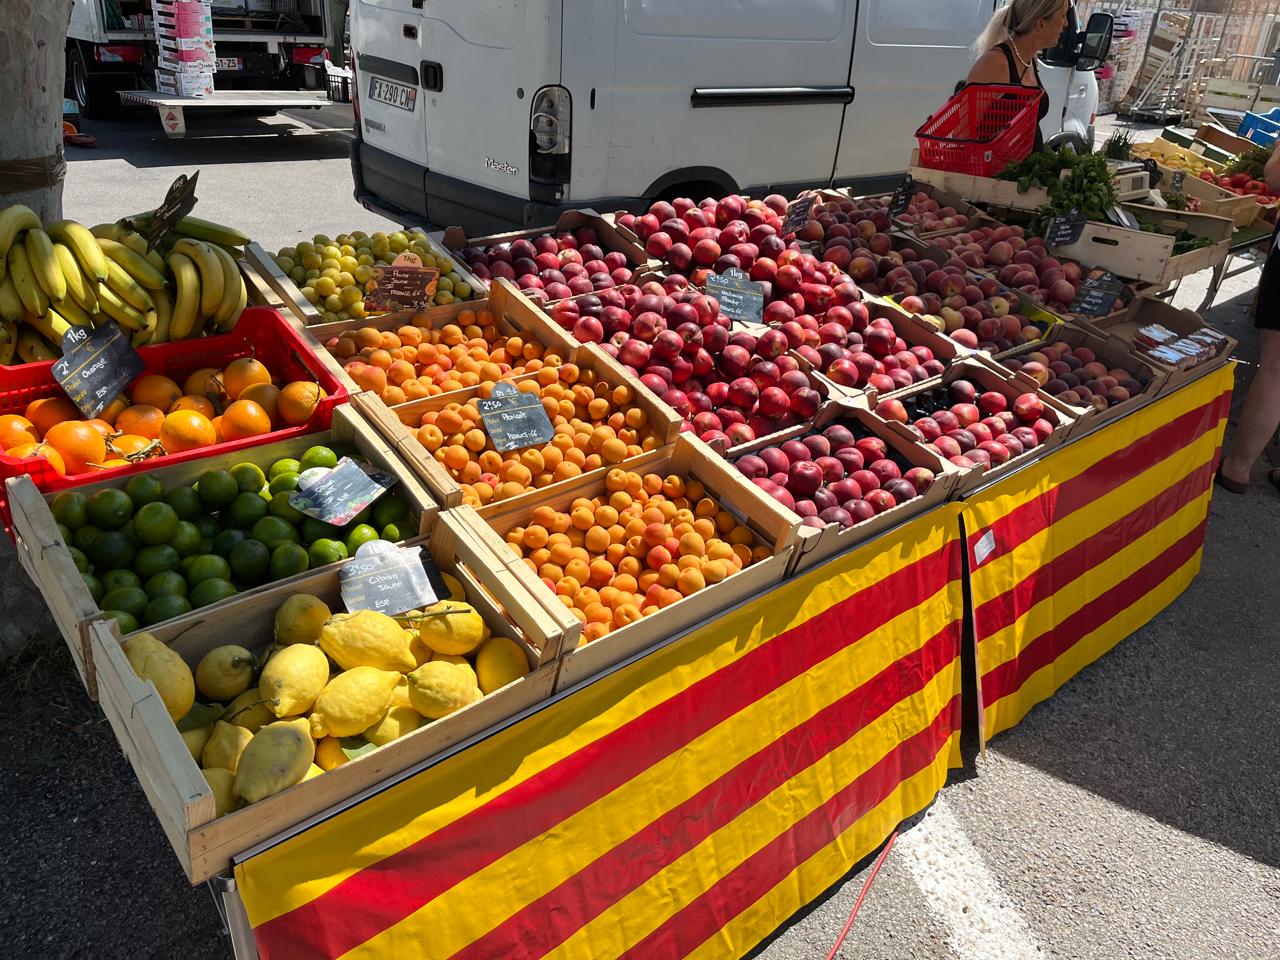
(223,64)
(393,94)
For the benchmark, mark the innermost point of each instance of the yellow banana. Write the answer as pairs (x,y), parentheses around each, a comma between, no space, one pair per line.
(164,317)
(211,273)
(51,326)
(44,264)
(30,292)
(9,342)
(33,348)
(106,231)
(128,289)
(68,310)
(13,220)
(156,259)
(80,287)
(118,310)
(134,263)
(142,337)
(186,304)
(234,294)
(10,302)
(84,245)
(133,240)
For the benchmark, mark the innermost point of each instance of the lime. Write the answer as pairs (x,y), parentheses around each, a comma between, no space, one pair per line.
(189,561)
(129,599)
(364,516)
(128,531)
(155,523)
(156,559)
(185,501)
(246,510)
(390,509)
(217,488)
(325,551)
(164,608)
(317,457)
(80,560)
(313,530)
(250,561)
(65,533)
(208,527)
(94,585)
(274,531)
(187,538)
(360,535)
(206,546)
(127,622)
(144,488)
(225,541)
(287,465)
(208,566)
(282,508)
(168,583)
(211,591)
(284,483)
(287,560)
(84,537)
(395,532)
(249,477)
(111,550)
(110,508)
(71,509)
(114,579)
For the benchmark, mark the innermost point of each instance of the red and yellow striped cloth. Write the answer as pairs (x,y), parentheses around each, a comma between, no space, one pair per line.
(1072,555)
(684,806)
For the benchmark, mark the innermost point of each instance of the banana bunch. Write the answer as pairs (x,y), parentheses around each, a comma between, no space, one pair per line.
(64,274)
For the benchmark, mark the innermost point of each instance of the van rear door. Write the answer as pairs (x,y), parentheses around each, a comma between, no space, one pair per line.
(386,36)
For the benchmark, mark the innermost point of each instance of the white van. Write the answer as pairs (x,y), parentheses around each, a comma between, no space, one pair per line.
(489,113)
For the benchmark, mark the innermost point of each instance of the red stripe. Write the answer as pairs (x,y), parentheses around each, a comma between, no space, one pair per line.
(548,921)
(1003,611)
(383,894)
(743,886)
(1028,519)
(1046,648)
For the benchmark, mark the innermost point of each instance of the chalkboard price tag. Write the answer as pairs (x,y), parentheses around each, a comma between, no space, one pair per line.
(514,419)
(386,579)
(900,202)
(1178,183)
(405,285)
(1098,295)
(741,298)
(178,202)
(1064,231)
(97,364)
(341,493)
(798,211)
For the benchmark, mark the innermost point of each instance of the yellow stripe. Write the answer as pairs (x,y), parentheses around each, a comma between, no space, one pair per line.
(502,889)
(647,907)
(299,870)
(1008,711)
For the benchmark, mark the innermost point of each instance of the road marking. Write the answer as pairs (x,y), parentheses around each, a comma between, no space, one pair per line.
(981,920)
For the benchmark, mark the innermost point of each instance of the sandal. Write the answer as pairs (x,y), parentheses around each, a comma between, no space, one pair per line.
(1235,486)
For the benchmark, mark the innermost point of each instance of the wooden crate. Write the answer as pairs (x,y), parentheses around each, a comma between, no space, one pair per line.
(177,792)
(690,458)
(1000,193)
(1214,200)
(1138,255)
(49,562)
(399,424)
(1161,149)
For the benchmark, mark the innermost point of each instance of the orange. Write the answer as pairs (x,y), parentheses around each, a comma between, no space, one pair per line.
(115,408)
(242,419)
(30,451)
(43,414)
(265,395)
(80,446)
(155,390)
(129,444)
(145,421)
(299,400)
(102,427)
(16,430)
(243,373)
(191,401)
(186,430)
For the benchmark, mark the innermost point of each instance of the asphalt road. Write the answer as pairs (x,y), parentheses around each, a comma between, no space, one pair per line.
(1133,815)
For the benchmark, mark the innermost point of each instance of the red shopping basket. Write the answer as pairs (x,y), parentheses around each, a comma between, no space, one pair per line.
(260,332)
(981,130)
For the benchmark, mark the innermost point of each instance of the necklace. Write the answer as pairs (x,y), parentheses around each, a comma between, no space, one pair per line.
(1014,47)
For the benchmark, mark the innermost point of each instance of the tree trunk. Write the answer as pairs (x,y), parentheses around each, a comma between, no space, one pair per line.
(33,38)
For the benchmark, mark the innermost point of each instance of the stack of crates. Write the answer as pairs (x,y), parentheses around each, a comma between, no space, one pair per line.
(186,58)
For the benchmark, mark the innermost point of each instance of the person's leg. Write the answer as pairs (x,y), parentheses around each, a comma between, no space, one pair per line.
(1261,414)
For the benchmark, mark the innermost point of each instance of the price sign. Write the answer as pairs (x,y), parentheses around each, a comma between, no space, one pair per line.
(1098,295)
(798,213)
(178,202)
(405,285)
(741,298)
(341,493)
(1178,183)
(386,579)
(514,419)
(1064,231)
(97,364)
(901,199)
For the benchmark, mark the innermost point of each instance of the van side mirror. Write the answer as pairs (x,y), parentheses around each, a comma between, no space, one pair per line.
(1096,43)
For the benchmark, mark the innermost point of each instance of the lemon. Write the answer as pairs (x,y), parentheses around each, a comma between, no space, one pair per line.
(300,618)
(225,745)
(225,672)
(276,758)
(459,661)
(499,662)
(450,626)
(438,688)
(329,753)
(421,652)
(367,639)
(196,739)
(353,702)
(152,660)
(248,711)
(454,586)
(222,783)
(293,678)
(400,719)
(312,771)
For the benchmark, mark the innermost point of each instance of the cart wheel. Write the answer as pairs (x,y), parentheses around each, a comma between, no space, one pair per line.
(97,95)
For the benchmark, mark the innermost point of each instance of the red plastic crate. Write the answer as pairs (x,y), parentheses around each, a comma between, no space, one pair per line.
(260,332)
(981,130)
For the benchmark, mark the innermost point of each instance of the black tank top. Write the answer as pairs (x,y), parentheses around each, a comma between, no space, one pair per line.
(1015,78)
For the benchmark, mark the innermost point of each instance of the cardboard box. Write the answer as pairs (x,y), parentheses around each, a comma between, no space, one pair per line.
(1223,139)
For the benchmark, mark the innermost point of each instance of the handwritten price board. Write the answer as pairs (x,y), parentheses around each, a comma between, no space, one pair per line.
(339,495)
(1097,296)
(741,298)
(386,579)
(1064,231)
(515,420)
(97,364)
(405,285)
(900,202)
(179,201)
(798,211)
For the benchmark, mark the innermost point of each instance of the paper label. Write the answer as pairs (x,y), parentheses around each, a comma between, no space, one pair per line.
(341,493)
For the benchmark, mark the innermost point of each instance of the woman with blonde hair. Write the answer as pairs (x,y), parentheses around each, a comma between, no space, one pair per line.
(1008,47)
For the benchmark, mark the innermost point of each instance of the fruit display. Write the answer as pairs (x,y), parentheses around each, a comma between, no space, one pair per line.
(149,552)
(328,689)
(869,353)
(696,236)
(552,265)
(1174,157)
(1242,185)
(1077,376)
(333,274)
(925,215)
(63,274)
